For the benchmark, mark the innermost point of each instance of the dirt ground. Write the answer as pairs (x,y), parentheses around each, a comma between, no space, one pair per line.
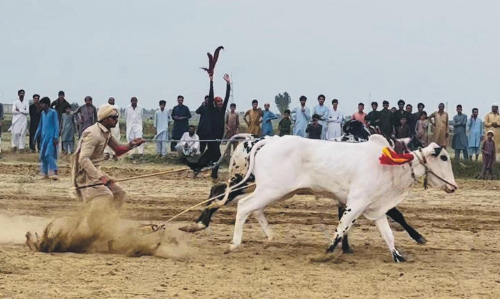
(460,260)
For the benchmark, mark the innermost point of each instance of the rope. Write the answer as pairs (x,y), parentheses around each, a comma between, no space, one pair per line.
(213,140)
(162,225)
(134,177)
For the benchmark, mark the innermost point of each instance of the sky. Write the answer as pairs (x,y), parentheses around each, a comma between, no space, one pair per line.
(355,51)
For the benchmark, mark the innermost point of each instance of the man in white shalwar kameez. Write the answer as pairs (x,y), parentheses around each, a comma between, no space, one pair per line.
(335,120)
(322,111)
(190,144)
(20,112)
(161,121)
(133,117)
(301,116)
(115,132)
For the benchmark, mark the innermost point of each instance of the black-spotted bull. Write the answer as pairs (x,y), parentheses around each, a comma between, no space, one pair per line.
(238,168)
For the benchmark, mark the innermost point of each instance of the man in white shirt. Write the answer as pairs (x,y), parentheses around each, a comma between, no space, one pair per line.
(20,111)
(133,117)
(161,121)
(322,111)
(190,143)
(335,120)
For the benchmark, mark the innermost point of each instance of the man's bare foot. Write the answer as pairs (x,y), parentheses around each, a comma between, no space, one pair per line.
(31,242)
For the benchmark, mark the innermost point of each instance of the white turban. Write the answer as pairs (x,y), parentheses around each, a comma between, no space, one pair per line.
(495,104)
(105,111)
(490,131)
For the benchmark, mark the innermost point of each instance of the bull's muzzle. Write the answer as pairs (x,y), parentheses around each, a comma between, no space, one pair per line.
(450,189)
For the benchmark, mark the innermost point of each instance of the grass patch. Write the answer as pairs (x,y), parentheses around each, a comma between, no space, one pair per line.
(466,169)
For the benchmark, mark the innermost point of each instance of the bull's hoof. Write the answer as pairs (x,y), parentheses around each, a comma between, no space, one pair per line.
(323,258)
(193,227)
(230,248)
(397,256)
(268,242)
(421,240)
(347,250)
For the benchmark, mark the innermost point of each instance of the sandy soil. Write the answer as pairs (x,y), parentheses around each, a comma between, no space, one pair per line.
(460,260)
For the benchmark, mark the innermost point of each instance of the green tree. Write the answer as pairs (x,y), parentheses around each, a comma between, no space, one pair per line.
(282,102)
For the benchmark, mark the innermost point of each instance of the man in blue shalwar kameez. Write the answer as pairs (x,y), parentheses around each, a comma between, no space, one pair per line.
(459,141)
(475,128)
(267,117)
(301,116)
(181,116)
(48,133)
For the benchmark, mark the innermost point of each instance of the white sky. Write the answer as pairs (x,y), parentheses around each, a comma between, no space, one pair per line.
(429,51)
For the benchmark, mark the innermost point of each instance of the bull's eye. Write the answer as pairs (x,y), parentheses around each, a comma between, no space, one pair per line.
(444,158)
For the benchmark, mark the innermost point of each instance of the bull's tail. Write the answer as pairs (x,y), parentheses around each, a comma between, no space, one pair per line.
(234,138)
(251,158)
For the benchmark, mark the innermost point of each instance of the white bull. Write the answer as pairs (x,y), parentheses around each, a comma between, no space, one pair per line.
(349,173)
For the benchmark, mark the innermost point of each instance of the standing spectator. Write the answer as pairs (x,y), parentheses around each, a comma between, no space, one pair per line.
(1,126)
(254,119)
(411,119)
(181,116)
(439,120)
(489,155)
(335,120)
(68,130)
(203,126)
(360,115)
(189,146)
(459,141)
(421,128)
(420,109)
(385,119)
(301,116)
(48,132)
(133,117)
(492,122)
(86,115)
(475,129)
(20,111)
(285,124)
(232,122)
(35,115)
(267,124)
(397,115)
(403,131)
(322,111)
(160,122)
(314,129)
(373,118)
(232,127)
(60,105)
(115,131)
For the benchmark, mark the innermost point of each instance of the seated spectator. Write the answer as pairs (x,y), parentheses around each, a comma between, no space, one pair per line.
(190,144)
(314,129)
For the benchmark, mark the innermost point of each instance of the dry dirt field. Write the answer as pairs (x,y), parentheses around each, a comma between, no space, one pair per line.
(460,260)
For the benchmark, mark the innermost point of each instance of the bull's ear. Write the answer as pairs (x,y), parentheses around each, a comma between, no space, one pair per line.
(437,150)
